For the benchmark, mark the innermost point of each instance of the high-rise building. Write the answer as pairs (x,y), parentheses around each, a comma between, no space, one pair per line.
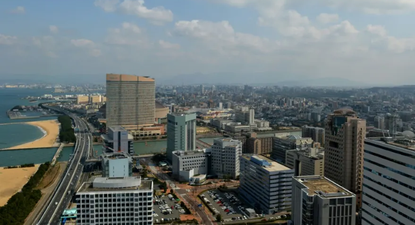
(265,184)
(225,157)
(130,101)
(118,139)
(187,164)
(126,200)
(317,200)
(306,162)
(343,163)
(117,164)
(315,133)
(391,123)
(389,183)
(181,133)
(289,142)
(380,122)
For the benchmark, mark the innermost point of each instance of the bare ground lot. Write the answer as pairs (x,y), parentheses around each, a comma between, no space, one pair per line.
(12,181)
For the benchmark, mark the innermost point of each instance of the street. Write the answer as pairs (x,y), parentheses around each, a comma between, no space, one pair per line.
(65,190)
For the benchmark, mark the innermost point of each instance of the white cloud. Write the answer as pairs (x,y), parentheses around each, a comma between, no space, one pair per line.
(87,45)
(168,45)
(107,5)
(82,43)
(53,29)
(372,6)
(18,10)
(7,40)
(127,34)
(46,44)
(222,36)
(157,15)
(327,18)
(365,6)
(375,29)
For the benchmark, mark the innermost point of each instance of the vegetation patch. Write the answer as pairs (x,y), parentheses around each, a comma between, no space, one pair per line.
(66,133)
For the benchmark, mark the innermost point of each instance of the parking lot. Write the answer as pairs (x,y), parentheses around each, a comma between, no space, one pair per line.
(166,209)
(225,203)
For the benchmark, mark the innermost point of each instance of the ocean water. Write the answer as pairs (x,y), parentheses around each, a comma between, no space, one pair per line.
(19,157)
(16,134)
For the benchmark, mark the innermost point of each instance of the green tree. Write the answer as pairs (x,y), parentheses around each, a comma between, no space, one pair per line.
(218,218)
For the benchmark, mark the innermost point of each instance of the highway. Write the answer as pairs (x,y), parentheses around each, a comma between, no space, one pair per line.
(63,193)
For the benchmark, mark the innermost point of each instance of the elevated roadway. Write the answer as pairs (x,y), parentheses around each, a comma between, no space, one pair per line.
(64,191)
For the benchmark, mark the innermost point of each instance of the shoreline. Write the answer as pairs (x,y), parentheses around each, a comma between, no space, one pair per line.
(50,130)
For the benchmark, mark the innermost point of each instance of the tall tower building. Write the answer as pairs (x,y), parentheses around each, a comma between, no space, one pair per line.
(343,163)
(389,183)
(130,101)
(181,133)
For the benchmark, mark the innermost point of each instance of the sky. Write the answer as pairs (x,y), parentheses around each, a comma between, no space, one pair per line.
(370,41)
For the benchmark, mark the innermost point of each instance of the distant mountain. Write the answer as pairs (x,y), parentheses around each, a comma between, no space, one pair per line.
(256,79)
(262,78)
(324,82)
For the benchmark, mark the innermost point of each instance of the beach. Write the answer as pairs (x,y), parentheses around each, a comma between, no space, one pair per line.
(50,129)
(13,180)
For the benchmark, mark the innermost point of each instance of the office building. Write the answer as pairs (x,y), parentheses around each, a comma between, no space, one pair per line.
(315,133)
(343,163)
(265,184)
(94,99)
(225,157)
(117,139)
(259,143)
(306,162)
(115,201)
(82,99)
(317,200)
(117,164)
(391,123)
(187,164)
(289,142)
(245,116)
(130,101)
(389,182)
(181,133)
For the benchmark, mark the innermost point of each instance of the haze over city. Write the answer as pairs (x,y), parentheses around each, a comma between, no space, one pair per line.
(139,112)
(351,43)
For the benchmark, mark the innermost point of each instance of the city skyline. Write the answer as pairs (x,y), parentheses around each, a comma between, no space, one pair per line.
(323,39)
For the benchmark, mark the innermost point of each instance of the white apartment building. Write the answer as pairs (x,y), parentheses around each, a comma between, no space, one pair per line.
(187,164)
(112,201)
(225,157)
(265,184)
(388,183)
(317,200)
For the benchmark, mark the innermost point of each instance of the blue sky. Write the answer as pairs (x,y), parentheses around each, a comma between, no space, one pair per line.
(367,40)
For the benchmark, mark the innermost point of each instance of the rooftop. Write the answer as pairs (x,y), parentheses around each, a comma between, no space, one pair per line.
(322,186)
(271,165)
(115,155)
(126,77)
(117,128)
(123,181)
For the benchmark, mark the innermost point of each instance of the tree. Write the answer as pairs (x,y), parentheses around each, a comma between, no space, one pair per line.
(218,218)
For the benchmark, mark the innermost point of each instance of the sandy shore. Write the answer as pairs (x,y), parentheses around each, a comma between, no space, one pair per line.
(13,180)
(50,128)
